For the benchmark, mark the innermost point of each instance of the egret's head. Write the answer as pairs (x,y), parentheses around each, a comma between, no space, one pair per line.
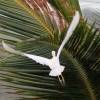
(53,54)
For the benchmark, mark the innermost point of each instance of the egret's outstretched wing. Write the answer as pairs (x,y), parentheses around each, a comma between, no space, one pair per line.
(72,27)
(38,59)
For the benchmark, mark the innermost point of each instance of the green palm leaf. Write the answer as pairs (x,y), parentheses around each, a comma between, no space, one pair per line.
(30,33)
(36,75)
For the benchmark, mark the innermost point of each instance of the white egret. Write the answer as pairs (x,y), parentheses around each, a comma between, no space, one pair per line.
(53,63)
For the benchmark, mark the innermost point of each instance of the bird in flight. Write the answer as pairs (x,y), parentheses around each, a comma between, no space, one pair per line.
(53,63)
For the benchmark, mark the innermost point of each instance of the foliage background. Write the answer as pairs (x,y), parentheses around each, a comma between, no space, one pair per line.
(23,79)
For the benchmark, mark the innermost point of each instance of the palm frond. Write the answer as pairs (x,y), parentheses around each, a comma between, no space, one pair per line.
(21,26)
(32,32)
(66,7)
(16,67)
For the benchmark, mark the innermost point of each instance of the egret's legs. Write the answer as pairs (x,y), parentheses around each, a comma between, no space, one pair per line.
(61,80)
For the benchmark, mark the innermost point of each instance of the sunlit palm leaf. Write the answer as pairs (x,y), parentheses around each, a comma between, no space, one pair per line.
(21,26)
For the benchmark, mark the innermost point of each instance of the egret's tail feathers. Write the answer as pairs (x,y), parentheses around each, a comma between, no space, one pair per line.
(57,71)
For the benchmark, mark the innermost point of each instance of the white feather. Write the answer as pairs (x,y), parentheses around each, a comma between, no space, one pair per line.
(57,71)
(72,27)
(9,49)
(38,59)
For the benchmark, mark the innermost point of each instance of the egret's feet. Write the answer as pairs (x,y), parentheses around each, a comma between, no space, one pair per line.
(61,80)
